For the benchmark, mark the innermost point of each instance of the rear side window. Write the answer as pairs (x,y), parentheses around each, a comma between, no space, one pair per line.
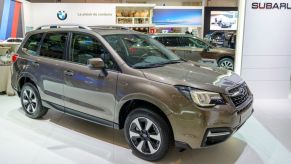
(170,41)
(53,45)
(32,44)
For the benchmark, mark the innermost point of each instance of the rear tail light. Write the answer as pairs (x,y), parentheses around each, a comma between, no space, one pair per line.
(14,57)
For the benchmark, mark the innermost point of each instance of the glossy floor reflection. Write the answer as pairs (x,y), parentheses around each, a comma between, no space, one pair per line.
(62,139)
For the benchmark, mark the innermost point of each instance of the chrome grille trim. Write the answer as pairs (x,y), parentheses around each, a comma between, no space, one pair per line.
(239,94)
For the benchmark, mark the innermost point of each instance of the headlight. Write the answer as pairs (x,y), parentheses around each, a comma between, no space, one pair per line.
(202,98)
(206,99)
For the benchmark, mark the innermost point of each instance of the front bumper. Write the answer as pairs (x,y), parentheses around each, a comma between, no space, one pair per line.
(217,135)
(207,127)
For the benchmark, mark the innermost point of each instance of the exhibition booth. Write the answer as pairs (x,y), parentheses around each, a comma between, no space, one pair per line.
(145,82)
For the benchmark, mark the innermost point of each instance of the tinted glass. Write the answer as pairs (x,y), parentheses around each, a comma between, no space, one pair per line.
(53,45)
(141,51)
(160,39)
(170,41)
(33,43)
(193,42)
(85,47)
(18,40)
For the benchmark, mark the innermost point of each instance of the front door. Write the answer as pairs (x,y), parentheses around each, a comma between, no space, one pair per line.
(87,91)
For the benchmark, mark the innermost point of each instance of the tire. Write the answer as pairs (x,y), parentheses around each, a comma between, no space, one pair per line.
(31,101)
(151,143)
(226,63)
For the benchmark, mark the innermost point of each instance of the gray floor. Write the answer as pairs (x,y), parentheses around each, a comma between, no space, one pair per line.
(62,139)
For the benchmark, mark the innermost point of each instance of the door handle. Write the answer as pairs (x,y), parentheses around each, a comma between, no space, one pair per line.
(69,73)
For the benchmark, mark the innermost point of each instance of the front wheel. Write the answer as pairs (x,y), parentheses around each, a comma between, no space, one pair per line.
(226,63)
(148,134)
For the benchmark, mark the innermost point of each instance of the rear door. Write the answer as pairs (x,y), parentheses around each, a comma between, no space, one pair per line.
(87,91)
(49,67)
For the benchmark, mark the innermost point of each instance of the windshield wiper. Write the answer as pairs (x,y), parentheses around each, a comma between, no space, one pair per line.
(172,62)
(153,65)
(148,66)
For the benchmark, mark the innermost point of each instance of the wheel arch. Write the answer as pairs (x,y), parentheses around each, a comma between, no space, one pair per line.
(226,57)
(24,78)
(131,104)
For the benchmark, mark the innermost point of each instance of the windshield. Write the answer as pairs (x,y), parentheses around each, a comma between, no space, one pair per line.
(141,51)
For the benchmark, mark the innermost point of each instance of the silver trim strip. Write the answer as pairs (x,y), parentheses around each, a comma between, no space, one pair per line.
(217,134)
(63,25)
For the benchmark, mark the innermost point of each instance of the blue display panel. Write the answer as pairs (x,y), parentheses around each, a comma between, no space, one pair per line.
(177,17)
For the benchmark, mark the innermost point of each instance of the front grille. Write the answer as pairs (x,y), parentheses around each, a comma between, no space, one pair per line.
(239,94)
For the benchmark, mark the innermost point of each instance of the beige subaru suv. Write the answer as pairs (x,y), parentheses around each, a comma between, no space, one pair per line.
(127,80)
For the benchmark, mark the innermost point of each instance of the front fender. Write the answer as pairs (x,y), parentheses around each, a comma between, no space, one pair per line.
(158,94)
(143,97)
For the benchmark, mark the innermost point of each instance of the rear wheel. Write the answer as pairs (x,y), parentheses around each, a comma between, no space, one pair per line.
(226,63)
(148,134)
(31,101)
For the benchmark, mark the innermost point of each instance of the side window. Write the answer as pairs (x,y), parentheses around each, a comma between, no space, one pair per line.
(171,41)
(18,40)
(192,42)
(53,45)
(160,39)
(186,42)
(85,47)
(32,44)
(198,43)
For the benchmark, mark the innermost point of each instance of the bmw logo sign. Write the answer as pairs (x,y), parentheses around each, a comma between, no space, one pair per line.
(62,15)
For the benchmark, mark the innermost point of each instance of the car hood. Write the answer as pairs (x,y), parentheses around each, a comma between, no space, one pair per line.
(194,75)
(228,51)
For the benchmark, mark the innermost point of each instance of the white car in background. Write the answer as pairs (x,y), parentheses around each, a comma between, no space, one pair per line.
(222,21)
(13,40)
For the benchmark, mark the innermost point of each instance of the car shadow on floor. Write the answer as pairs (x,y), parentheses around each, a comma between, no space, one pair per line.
(226,153)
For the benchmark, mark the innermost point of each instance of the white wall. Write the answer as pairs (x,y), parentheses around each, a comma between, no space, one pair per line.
(46,13)
(266,62)
(26,13)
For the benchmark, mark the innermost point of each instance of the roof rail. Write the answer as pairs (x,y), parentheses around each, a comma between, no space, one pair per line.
(109,27)
(63,26)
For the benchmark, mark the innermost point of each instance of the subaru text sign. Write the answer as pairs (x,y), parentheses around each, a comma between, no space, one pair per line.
(62,15)
(269,5)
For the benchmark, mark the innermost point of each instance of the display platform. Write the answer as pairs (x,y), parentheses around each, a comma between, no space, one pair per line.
(62,139)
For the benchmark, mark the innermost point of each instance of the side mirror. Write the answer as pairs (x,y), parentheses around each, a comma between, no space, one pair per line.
(206,49)
(96,63)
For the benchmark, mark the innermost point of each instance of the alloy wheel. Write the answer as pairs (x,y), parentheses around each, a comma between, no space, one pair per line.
(227,64)
(29,100)
(145,135)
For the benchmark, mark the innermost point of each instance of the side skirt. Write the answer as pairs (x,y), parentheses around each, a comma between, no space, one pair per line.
(80,115)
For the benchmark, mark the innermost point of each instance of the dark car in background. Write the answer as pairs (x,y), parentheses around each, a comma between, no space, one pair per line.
(193,48)
(216,38)
(222,39)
